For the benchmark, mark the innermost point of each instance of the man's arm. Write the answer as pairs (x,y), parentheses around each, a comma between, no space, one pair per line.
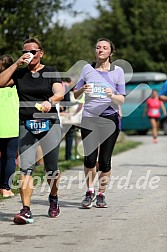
(58,91)
(6,75)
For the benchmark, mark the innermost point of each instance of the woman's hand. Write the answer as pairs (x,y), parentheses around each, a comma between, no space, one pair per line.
(88,88)
(116,98)
(109,92)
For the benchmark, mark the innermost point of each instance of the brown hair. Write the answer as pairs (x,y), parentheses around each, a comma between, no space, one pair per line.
(5,62)
(111,46)
(33,40)
(109,41)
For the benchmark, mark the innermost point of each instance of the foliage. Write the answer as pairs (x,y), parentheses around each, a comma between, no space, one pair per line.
(137,28)
(67,46)
(21,19)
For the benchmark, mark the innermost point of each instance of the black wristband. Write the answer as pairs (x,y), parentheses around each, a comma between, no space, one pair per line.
(49,100)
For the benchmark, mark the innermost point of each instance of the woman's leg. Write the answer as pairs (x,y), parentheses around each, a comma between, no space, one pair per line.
(154,128)
(90,144)
(105,154)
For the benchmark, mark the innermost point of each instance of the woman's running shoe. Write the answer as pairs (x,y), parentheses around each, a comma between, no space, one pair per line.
(89,198)
(101,203)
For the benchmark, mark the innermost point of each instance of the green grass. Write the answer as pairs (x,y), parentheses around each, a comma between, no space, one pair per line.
(120,147)
(64,165)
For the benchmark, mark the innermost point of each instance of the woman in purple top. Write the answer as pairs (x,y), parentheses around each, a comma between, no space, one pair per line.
(104,86)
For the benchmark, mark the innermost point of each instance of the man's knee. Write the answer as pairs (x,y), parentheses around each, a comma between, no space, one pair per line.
(27,172)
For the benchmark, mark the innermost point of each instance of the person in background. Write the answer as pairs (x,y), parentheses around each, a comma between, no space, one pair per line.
(104,86)
(70,113)
(152,109)
(9,131)
(39,89)
(69,134)
(163,92)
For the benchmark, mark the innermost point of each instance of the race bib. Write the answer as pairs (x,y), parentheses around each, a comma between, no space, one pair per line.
(98,90)
(37,126)
(155,112)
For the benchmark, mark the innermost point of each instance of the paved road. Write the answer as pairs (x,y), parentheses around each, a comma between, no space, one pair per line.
(135,221)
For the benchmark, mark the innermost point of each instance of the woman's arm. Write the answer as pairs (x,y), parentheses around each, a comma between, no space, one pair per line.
(116,98)
(163,108)
(78,93)
(120,111)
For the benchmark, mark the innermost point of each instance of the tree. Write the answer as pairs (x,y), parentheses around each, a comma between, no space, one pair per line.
(148,21)
(67,46)
(21,19)
(138,29)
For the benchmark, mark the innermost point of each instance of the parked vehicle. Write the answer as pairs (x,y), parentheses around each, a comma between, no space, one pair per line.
(138,89)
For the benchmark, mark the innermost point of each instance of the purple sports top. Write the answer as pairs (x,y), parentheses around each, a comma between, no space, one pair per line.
(97,103)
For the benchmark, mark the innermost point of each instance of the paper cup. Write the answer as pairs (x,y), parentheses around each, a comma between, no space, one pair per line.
(28,60)
(92,89)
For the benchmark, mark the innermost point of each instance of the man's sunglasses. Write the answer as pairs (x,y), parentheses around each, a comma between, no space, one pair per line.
(32,51)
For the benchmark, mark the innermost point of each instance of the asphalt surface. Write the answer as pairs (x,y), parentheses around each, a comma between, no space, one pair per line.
(135,220)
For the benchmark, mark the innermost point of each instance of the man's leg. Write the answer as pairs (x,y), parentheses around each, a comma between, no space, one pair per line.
(27,150)
(54,184)
(50,147)
(26,189)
